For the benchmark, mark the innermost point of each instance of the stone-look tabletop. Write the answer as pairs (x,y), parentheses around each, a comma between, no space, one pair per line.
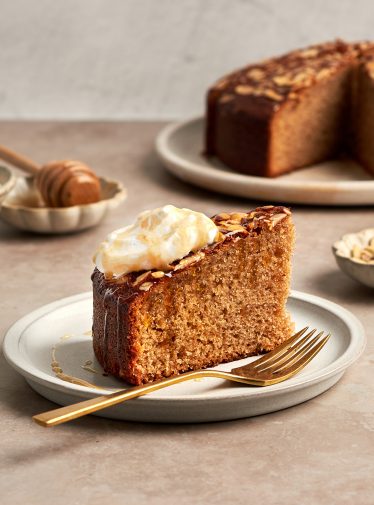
(320,452)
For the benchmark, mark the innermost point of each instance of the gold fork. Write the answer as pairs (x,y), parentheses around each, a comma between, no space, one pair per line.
(276,366)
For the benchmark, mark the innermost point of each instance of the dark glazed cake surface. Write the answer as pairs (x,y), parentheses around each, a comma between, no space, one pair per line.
(221,303)
(287,112)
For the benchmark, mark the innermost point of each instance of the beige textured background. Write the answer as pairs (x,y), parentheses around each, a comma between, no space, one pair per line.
(149,58)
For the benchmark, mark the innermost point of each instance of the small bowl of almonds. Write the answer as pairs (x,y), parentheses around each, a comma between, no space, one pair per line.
(354,253)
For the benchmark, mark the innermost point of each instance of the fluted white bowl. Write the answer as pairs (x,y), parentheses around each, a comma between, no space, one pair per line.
(7,181)
(23,208)
(355,268)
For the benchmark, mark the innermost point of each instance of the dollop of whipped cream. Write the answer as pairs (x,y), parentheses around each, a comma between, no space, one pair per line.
(155,240)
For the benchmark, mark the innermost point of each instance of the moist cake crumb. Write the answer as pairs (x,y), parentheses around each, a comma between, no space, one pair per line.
(223,302)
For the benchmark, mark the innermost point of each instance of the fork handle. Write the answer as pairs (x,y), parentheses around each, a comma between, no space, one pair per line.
(70,412)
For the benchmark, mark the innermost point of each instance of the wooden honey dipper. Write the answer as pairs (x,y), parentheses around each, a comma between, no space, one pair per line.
(61,183)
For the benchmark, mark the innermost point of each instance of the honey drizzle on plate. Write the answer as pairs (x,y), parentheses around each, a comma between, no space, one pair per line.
(88,367)
(59,373)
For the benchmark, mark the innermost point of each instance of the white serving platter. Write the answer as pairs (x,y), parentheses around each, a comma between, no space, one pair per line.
(338,182)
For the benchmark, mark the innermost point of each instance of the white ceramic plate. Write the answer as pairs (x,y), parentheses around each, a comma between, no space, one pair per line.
(63,324)
(337,182)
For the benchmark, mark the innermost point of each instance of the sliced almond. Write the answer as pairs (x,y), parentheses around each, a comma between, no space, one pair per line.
(244,89)
(309,53)
(238,216)
(222,217)
(219,237)
(121,280)
(370,249)
(145,286)
(356,252)
(188,261)
(158,274)
(277,218)
(282,80)
(325,72)
(141,278)
(366,256)
(256,74)
(232,227)
(273,95)
(300,78)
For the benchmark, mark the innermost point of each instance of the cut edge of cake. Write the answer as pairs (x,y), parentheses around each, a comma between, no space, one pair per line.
(256,116)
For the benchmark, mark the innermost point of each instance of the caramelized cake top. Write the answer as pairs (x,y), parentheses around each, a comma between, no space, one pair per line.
(276,80)
(232,227)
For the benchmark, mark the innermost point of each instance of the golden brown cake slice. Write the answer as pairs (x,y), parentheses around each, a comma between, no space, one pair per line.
(222,302)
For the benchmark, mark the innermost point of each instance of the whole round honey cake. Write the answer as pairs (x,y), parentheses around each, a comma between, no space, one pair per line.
(178,291)
(288,112)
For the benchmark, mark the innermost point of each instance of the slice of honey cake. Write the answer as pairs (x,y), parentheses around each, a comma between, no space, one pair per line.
(178,291)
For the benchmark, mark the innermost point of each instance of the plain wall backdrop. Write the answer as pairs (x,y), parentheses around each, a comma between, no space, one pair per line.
(123,59)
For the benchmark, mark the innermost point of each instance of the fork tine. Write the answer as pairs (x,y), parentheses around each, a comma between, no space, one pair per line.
(292,352)
(279,350)
(290,360)
(304,359)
